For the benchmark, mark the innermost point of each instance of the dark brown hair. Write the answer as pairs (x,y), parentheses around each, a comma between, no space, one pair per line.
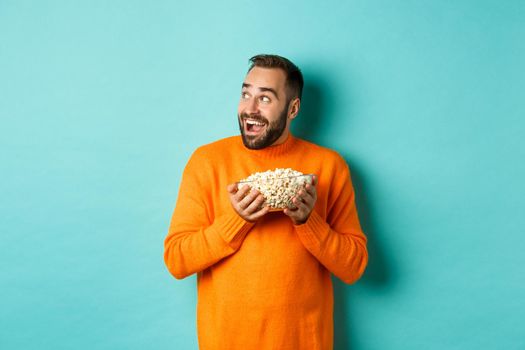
(294,77)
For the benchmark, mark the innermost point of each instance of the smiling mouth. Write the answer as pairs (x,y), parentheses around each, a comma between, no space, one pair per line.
(253,126)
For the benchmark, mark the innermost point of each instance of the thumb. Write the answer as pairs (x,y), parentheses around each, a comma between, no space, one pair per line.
(232,188)
(314,180)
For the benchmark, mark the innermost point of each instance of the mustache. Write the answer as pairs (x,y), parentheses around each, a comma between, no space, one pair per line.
(256,117)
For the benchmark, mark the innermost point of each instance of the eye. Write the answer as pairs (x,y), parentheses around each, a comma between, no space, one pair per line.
(244,95)
(265,99)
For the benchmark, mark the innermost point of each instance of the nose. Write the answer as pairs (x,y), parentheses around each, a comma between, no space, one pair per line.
(252,107)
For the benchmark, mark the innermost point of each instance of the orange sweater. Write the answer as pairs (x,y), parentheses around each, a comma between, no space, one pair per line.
(265,285)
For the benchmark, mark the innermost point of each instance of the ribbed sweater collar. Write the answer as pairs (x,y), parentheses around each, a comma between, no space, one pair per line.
(272,151)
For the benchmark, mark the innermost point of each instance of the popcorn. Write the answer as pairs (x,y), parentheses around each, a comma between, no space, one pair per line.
(278,186)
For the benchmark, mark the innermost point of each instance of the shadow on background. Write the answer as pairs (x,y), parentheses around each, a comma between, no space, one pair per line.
(316,105)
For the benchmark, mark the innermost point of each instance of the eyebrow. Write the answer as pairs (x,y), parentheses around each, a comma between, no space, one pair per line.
(245,85)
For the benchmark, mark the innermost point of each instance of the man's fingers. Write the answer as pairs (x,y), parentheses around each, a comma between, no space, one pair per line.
(298,213)
(246,201)
(299,203)
(292,212)
(314,180)
(232,188)
(306,197)
(254,205)
(241,193)
(258,214)
(304,202)
(310,189)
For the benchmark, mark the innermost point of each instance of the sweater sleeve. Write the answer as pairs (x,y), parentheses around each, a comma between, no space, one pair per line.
(197,240)
(337,242)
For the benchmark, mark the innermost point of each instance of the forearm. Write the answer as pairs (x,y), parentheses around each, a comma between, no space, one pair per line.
(189,249)
(343,254)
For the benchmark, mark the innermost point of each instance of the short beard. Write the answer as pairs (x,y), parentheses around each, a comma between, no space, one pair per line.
(273,131)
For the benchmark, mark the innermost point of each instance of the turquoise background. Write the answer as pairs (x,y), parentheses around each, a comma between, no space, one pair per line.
(102,103)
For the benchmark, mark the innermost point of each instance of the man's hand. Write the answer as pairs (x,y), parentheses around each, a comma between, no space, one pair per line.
(304,203)
(247,203)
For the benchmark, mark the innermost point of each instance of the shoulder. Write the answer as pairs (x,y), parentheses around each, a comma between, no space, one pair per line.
(206,159)
(327,155)
(215,149)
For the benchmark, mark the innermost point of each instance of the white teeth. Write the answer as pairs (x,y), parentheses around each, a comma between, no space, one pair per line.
(254,122)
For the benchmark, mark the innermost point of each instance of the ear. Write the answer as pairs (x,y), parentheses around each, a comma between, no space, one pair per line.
(293,108)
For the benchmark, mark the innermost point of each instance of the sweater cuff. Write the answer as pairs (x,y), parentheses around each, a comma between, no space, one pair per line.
(314,231)
(232,228)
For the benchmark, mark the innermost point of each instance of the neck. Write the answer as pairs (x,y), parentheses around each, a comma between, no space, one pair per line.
(282,139)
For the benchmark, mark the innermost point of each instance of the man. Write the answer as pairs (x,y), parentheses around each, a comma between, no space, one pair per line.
(264,277)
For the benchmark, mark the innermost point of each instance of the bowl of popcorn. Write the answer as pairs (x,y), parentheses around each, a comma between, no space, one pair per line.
(277,186)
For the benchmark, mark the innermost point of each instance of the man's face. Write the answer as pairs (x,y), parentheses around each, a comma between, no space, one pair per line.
(263,108)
